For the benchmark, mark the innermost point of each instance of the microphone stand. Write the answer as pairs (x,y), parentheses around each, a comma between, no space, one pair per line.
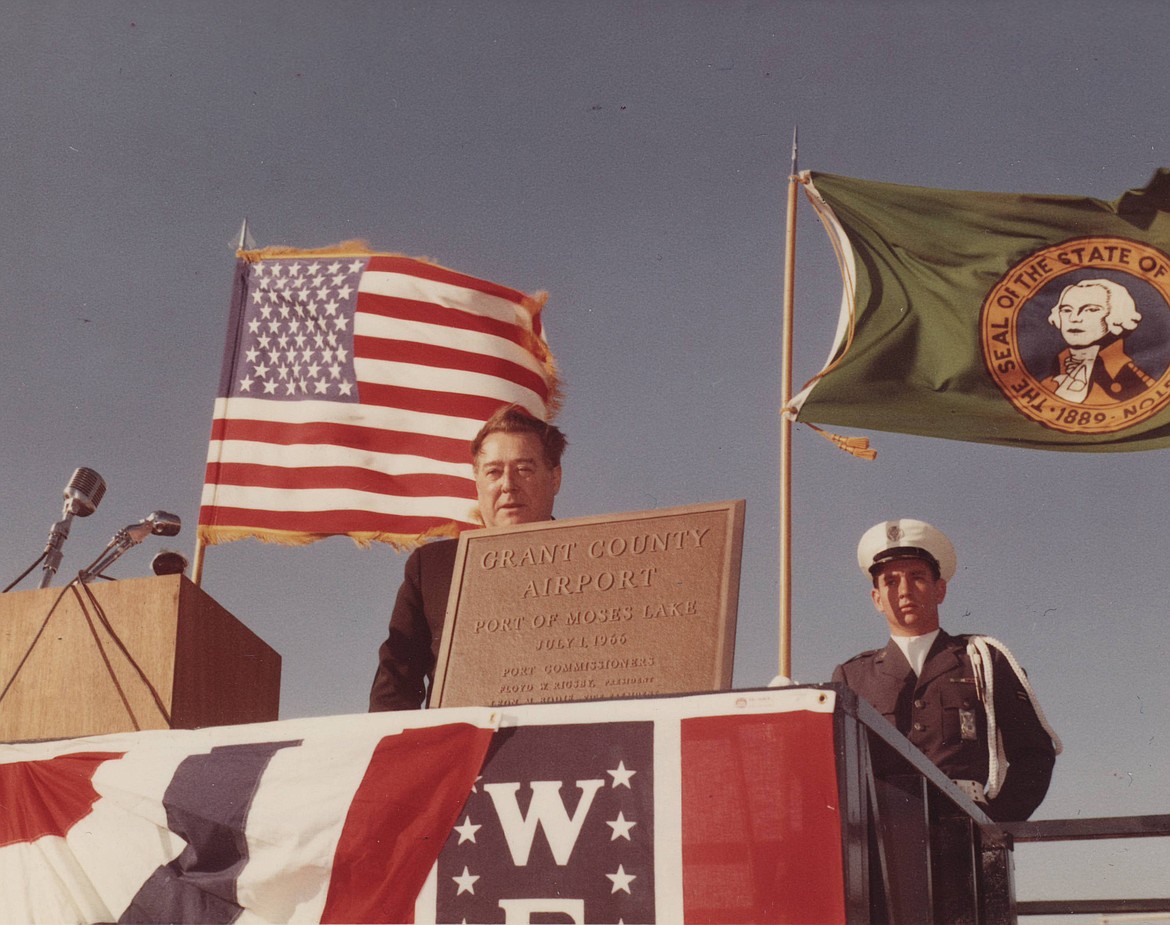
(82,496)
(57,537)
(123,540)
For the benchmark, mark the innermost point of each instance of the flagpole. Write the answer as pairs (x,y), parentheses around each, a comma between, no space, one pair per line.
(785,662)
(200,546)
(197,565)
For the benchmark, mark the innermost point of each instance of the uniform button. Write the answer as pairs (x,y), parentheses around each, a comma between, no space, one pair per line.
(919,704)
(918,727)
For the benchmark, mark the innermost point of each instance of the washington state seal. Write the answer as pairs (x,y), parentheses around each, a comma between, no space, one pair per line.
(1077,335)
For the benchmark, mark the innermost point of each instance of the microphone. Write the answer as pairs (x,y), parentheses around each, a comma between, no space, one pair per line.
(84,492)
(158,523)
(164,524)
(169,562)
(82,496)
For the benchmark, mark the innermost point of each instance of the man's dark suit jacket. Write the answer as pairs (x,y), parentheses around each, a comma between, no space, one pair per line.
(929,710)
(407,658)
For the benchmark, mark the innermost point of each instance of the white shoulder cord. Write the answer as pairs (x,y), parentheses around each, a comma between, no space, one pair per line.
(980,654)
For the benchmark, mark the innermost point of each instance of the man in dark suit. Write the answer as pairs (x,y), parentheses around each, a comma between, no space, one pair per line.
(516,459)
(961,700)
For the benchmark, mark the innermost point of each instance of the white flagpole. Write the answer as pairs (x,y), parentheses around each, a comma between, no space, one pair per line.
(785,662)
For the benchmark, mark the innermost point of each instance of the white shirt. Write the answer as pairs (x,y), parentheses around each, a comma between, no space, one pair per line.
(915,648)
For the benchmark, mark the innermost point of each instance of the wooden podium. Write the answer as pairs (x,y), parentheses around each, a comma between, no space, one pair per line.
(146,653)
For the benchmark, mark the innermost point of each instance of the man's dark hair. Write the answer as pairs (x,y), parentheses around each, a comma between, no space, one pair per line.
(513,419)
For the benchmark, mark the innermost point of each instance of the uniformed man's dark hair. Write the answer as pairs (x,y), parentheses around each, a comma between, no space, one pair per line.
(513,419)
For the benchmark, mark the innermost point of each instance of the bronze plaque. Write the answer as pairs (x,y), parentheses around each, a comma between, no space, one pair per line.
(593,608)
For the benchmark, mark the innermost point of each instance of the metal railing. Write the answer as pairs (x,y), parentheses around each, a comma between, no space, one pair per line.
(1068,830)
(917,849)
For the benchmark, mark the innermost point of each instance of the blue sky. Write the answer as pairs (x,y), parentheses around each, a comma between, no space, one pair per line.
(631,158)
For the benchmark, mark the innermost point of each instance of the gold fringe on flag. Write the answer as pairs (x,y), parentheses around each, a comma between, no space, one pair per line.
(401,542)
(854,446)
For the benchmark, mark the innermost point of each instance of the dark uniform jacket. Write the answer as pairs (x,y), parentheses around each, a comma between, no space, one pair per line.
(941,714)
(407,658)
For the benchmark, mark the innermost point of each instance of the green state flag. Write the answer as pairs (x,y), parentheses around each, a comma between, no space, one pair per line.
(1023,320)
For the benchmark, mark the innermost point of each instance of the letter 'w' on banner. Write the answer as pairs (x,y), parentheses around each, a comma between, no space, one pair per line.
(1023,320)
(352,385)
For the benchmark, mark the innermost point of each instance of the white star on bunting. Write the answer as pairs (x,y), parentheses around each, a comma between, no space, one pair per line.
(621,827)
(621,880)
(466,882)
(467,830)
(621,777)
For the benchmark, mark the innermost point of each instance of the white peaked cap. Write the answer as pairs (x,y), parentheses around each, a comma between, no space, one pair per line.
(906,539)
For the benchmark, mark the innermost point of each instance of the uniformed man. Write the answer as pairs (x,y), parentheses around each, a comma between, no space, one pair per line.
(962,700)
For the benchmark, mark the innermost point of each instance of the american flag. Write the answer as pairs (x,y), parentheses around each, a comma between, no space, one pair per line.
(352,384)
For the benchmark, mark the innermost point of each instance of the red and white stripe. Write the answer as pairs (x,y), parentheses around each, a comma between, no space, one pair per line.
(435,354)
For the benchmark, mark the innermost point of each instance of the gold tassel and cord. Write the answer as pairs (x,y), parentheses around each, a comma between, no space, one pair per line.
(854,446)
